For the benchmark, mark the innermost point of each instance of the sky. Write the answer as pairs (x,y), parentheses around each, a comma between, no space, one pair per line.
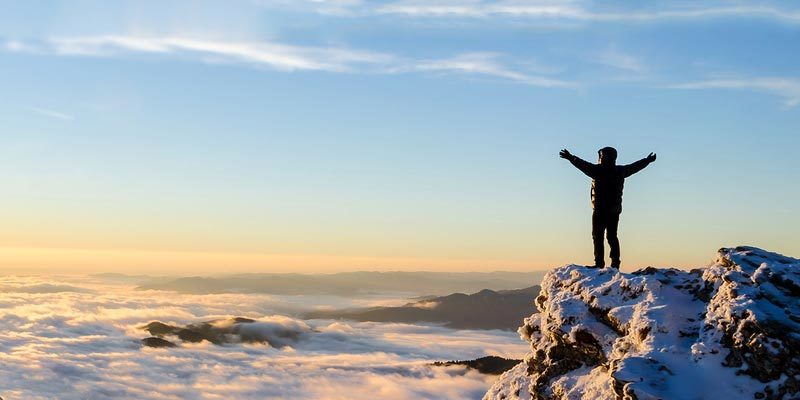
(210,137)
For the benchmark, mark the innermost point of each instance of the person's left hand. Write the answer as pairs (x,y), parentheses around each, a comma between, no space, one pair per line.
(651,157)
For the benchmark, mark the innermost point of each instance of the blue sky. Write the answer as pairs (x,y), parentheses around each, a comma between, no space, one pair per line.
(388,135)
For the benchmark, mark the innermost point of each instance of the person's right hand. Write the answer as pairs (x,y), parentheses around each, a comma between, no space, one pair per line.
(565,154)
(651,157)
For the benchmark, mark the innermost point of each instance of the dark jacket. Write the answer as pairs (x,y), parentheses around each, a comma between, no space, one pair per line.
(607,182)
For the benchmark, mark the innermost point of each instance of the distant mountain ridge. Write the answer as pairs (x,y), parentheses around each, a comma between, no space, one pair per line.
(349,283)
(486,309)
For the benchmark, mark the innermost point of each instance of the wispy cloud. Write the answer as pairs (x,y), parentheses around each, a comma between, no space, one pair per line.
(546,10)
(786,15)
(53,114)
(486,64)
(283,57)
(275,55)
(617,59)
(325,7)
(18,46)
(787,88)
(541,9)
(576,10)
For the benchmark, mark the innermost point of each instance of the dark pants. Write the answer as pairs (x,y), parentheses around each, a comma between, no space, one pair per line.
(604,221)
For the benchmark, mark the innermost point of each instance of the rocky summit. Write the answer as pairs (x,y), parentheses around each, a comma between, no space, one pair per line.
(727,331)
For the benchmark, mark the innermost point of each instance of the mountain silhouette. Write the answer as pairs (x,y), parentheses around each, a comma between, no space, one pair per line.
(486,309)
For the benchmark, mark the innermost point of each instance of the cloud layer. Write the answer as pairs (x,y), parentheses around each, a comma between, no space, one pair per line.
(787,88)
(564,10)
(277,56)
(80,339)
(288,58)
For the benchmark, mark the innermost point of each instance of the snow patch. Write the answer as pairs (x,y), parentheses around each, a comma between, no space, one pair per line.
(728,331)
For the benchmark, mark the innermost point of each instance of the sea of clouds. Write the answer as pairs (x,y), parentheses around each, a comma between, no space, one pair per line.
(79,338)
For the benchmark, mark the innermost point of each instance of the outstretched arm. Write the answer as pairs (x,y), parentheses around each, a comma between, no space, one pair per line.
(583,165)
(631,169)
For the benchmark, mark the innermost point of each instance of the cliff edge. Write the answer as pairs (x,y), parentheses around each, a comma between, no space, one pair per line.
(727,331)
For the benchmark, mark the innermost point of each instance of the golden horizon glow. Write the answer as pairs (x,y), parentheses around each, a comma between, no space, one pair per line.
(75,261)
(81,260)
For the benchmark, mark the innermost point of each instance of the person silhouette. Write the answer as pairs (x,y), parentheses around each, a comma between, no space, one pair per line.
(608,179)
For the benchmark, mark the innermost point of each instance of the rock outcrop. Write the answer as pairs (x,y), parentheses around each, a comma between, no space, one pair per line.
(157,342)
(728,331)
(490,365)
(277,332)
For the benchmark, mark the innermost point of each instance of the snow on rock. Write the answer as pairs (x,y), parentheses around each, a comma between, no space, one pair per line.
(728,331)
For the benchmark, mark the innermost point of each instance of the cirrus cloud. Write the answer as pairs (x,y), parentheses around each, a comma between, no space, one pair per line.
(787,88)
(281,57)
